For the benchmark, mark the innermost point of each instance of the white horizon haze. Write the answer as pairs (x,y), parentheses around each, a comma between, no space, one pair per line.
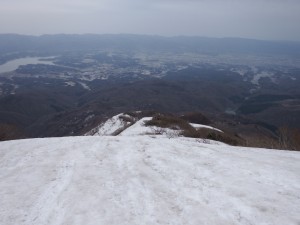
(256,19)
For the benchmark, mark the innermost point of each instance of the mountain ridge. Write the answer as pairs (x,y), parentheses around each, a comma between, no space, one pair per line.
(75,42)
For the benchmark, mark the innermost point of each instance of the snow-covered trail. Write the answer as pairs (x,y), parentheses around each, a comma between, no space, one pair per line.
(145,180)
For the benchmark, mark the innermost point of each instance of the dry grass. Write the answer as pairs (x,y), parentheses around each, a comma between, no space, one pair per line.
(196,117)
(171,122)
(10,132)
(176,123)
(288,139)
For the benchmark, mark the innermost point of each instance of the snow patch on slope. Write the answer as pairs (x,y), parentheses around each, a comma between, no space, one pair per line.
(199,126)
(139,128)
(118,126)
(85,86)
(70,83)
(112,126)
(264,74)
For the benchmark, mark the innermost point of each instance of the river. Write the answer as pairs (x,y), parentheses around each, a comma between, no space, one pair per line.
(14,64)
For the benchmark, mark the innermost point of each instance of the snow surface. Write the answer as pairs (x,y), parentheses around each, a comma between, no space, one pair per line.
(145,180)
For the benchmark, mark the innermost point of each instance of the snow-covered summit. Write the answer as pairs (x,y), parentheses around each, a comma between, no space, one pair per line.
(145,179)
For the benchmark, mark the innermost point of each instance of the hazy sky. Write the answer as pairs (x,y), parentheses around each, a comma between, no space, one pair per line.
(261,19)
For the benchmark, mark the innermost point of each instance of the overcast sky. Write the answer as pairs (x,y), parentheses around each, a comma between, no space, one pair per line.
(260,19)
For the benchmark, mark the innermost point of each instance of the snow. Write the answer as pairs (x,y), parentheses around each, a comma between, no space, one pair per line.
(70,83)
(138,128)
(145,180)
(111,126)
(265,74)
(197,126)
(85,86)
(241,72)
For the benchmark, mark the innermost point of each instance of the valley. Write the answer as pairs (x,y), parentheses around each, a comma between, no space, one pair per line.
(70,89)
(162,112)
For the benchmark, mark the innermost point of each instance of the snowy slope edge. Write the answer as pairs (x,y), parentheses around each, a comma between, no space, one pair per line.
(145,180)
(126,125)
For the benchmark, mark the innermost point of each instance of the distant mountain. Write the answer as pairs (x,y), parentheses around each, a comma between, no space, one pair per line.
(87,42)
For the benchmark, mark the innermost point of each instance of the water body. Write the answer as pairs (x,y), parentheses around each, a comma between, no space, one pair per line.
(14,64)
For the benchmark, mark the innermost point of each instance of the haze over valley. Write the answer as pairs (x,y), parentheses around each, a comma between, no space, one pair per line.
(58,85)
(133,112)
